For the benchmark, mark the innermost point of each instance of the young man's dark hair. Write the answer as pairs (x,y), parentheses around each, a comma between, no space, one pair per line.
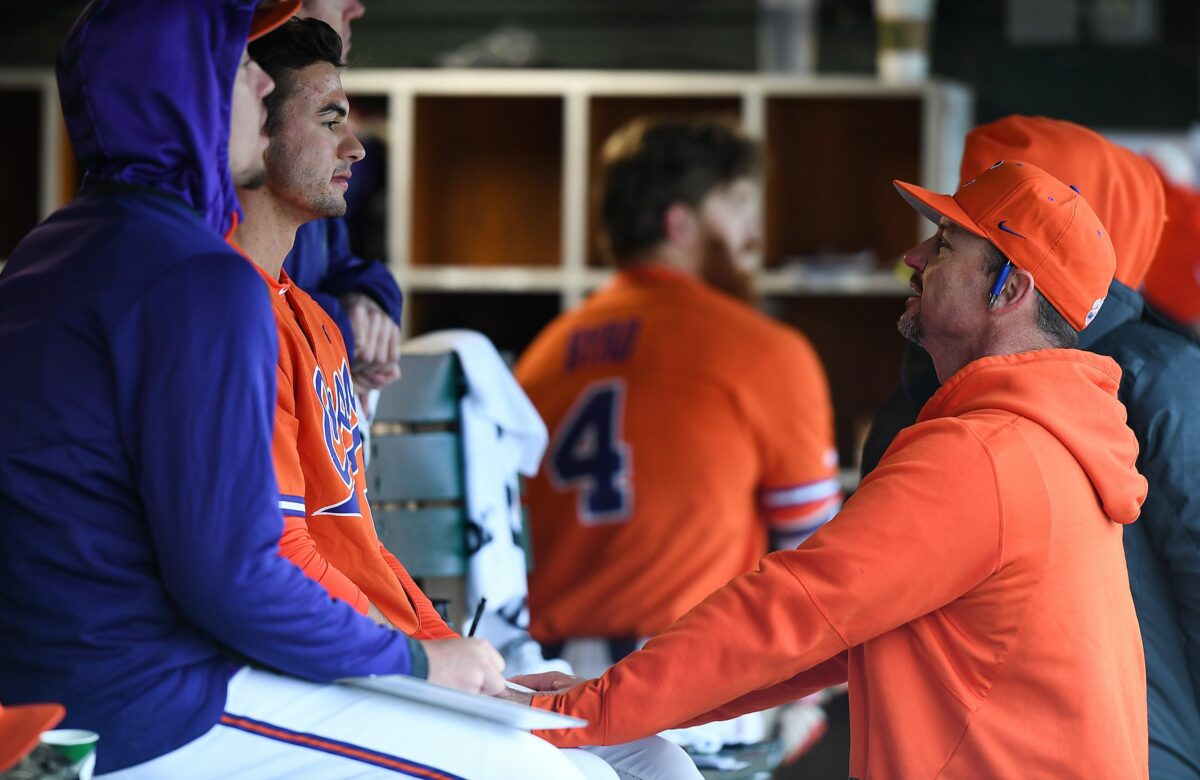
(296,44)
(651,164)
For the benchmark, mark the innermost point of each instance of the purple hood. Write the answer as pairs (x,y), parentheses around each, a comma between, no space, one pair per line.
(156,114)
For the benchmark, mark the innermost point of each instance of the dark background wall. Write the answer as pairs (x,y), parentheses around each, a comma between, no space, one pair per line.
(632,34)
(1061,58)
(1073,68)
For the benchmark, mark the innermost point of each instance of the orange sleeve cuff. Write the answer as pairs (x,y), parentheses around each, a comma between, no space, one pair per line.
(564,738)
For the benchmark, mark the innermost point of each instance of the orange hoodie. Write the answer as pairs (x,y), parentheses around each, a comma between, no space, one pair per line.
(973,592)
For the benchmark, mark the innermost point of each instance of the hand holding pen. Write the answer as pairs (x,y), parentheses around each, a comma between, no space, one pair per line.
(478,614)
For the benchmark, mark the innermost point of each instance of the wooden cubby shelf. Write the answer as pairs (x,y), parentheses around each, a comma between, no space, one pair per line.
(503,233)
(491,173)
(487,175)
(488,223)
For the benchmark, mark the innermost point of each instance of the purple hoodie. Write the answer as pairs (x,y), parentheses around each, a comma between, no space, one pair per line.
(138,504)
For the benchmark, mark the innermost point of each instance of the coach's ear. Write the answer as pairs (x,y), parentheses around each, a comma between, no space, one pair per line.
(1018,288)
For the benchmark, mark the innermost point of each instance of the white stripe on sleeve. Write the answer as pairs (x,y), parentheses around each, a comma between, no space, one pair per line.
(801,494)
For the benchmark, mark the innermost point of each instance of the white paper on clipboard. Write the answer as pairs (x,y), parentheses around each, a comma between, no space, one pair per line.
(474,704)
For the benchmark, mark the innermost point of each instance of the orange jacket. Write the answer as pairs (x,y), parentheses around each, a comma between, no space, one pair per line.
(973,592)
(705,422)
(328,530)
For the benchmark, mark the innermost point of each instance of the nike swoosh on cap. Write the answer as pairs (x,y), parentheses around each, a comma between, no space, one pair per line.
(1007,229)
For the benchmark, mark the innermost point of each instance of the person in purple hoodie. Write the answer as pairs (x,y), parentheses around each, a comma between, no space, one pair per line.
(142,585)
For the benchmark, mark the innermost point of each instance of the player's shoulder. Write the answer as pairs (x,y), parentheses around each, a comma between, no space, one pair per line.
(1158,361)
(138,237)
(746,326)
(325,339)
(540,359)
(940,443)
(308,305)
(1160,371)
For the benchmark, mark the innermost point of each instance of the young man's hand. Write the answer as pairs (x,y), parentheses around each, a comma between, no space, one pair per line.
(470,665)
(376,342)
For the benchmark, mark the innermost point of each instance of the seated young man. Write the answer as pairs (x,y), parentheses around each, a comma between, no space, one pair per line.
(360,295)
(328,530)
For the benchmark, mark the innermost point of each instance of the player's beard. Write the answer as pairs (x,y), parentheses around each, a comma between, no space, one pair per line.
(329,206)
(910,326)
(720,270)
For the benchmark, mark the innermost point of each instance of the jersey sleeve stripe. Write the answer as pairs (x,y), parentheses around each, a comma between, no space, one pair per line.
(811,520)
(777,498)
(291,506)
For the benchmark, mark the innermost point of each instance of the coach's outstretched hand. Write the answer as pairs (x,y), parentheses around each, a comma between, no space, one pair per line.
(529,685)
(548,682)
(471,665)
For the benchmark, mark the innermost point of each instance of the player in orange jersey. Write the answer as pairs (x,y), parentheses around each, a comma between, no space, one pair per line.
(685,426)
(328,530)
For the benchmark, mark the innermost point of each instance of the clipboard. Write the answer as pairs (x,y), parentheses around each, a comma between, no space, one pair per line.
(473,704)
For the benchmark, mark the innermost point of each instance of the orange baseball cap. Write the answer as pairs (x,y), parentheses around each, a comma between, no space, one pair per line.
(1122,187)
(1042,225)
(270,14)
(20,727)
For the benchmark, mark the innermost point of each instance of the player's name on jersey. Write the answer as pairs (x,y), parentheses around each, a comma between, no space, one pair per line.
(612,342)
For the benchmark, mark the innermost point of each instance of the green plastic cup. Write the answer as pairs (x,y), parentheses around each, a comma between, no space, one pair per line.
(77,746)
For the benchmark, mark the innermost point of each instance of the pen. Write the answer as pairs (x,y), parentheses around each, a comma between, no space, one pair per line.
(478,614)
(1000,280)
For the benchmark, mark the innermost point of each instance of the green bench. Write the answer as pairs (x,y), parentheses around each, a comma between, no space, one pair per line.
(415,479)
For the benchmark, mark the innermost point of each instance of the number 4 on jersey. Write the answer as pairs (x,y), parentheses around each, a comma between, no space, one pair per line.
(588,455)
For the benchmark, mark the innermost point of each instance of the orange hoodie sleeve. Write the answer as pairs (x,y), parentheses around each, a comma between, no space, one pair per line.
(832,672)
(295,544)
(432,625)
(924,528)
